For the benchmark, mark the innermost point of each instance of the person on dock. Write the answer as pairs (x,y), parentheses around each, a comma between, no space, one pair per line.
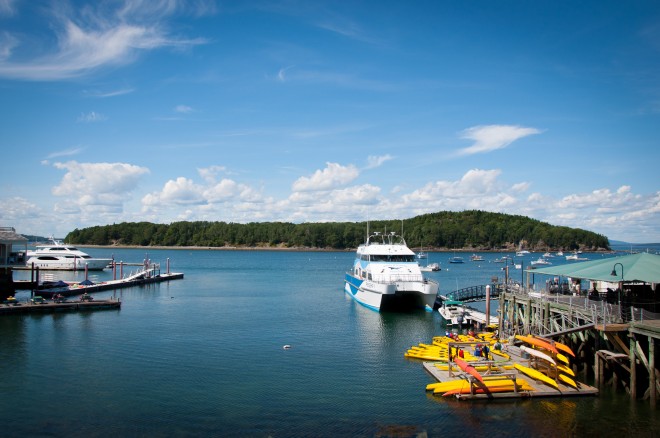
(610,297)
(485,351)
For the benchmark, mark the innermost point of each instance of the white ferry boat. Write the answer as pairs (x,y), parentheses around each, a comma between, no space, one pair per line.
(62,257)
(386,276)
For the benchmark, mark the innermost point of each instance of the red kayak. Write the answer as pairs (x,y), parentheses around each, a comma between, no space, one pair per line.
(468,368)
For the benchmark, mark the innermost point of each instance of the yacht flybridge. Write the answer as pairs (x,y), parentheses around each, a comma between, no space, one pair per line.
(387,276)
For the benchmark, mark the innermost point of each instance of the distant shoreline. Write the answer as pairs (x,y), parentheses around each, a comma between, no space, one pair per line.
(309,249)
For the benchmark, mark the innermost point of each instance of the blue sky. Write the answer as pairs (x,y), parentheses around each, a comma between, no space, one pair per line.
(314,111)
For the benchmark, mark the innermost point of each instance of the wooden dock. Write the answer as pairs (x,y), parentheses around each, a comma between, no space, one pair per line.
(480,317)
(40,303)
(136,280)
(540,389)
(53,307)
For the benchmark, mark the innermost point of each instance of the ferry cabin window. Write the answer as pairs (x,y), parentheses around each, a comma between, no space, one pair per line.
(393,258)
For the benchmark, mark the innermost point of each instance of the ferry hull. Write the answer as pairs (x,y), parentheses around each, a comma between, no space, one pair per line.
(392,296)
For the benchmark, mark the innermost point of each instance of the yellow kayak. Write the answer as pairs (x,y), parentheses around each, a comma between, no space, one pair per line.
(445,367)
(566,370)
(500,353)
(462,384)
(536,375)
(488,390)
(562,358)
(567,380)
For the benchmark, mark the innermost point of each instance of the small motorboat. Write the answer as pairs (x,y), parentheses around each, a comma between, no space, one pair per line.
(455,313)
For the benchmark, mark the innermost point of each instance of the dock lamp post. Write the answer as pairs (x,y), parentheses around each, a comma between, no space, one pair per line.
(614,274)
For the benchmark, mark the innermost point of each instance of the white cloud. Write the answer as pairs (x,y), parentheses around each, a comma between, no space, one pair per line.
(97,192)
(333,176)
(209,174)
(374,161)
(492,137)
(602,199)
(17,210)
(281,75)
(65,153)
(183,109)
(99,181)
(7,7)
(113,93)
(182,191)
(520,187)
(7,44)
(97,38)
(91,117)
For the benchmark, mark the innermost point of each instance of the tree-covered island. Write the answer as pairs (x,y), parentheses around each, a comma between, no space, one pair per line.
(471,230)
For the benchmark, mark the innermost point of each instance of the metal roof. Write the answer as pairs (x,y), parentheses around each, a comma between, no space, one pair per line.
(642,267)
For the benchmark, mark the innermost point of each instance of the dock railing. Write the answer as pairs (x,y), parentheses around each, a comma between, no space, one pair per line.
(552,313)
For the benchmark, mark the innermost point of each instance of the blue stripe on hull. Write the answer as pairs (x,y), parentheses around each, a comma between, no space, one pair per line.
(353,284)
(352,287)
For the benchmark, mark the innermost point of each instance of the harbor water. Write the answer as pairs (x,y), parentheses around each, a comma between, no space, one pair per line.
(204,356)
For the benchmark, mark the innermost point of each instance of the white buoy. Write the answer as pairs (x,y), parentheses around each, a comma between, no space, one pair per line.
(286,347)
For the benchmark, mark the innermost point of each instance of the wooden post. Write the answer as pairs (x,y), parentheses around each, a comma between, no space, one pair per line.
(633,373)
(32,280)
(528,315)
(487,304)
(652,378)
(502,311)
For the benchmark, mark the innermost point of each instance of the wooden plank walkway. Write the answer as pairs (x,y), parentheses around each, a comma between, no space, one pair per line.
(540,389)
(480,317)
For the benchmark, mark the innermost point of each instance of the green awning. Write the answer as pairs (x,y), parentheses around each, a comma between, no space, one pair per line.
(642,267)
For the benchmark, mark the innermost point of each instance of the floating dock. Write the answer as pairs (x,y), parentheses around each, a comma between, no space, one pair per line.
(136,280)
(58,293)
(53,307)
(538,388)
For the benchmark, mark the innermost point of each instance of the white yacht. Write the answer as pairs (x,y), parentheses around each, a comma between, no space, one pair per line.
(576,257)
(430,267)
(386,276)
(540,261)
(62,257)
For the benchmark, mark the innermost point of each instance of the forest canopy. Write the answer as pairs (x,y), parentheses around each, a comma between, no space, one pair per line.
(473,229)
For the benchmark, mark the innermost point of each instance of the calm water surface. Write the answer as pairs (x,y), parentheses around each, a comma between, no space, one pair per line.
(203,356)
